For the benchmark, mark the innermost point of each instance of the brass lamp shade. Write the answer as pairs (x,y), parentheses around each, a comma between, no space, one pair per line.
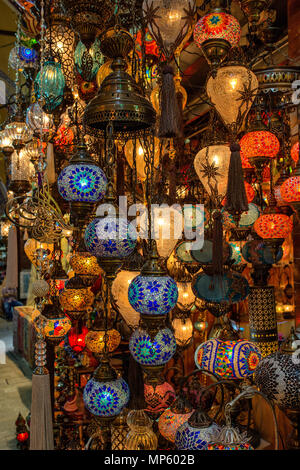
(119,100)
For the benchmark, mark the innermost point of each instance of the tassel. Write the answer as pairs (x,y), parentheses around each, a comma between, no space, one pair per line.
(179,97)
(136,386)
(170,113)
(236,198)
(41,430)
(217,255)
(12,280)
(50,170)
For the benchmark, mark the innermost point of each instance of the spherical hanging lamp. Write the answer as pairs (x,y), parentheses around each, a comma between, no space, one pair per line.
(153,293)
(290,189)
(211,165)
(82,180)
(101,339)
(259,145)
(225,90)
(198,431)
(257,252)
(50,84)
(215,33)
(76,338)
(295,152)
(56,324)
(273,225)
(119,100)
(76,298)
(140,435)
(88,62)
(172,418)
(17,130)
(105,395)
(247,219)
(140,156)
(23,57)
(86,266)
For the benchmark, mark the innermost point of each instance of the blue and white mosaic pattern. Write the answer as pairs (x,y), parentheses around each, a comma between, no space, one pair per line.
(153,295)
(152,353)
(110,237)
(82,183)
(189,438)
(106,398)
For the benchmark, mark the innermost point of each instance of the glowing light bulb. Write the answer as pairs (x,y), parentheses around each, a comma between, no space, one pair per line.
(216,159)
(141,151)
(233,83)
(160,222)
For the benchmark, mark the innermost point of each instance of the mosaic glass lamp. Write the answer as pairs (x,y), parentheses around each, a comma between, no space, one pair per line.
(154,353)
(290,190)
(259,145)
(257,252)
(230,438)
(278,375)
(158,397)
(153,292)
(86,266)
(23,57)
(141,435)
(211,165)
(172,418)
(82,180)
(88,62)
(273,225)
(76,338)
(101,339)
(50,84)
(197,432)
(216,33)
(76,298)
(247,219)
(55,324)
(295,152)
(105,395)
(229,359)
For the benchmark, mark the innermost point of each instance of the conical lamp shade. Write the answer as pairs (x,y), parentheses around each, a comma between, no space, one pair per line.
(227,91)
(211,165)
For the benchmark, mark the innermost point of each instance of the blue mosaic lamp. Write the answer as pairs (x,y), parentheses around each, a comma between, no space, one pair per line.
(257,252)
(152,352)
(49,85)
(197,432)
(105,395)
(230,288)
(92,57)
(153,293)
(82,180)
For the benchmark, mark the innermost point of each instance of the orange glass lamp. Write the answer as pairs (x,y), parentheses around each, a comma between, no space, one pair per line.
(76,298)
(86,266)
(100,340)
(290,189)
(295,152)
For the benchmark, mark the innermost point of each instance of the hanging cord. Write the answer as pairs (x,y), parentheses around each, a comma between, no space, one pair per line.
(149,146)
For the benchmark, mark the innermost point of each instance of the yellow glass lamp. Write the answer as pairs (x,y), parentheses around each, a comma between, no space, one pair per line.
(85,265)
(140,156)
(100,341)
(76,298)
(183,331)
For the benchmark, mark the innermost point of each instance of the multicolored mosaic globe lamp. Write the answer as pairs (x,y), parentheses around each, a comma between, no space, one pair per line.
(197,432)
(105,394)
(215,33)
(82,183)
(172,418)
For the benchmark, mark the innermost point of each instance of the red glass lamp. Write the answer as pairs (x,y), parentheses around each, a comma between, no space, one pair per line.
(290,189)
(216,33)
(76,338)
(273,225)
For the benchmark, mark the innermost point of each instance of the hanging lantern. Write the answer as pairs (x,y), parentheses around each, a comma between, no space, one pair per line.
(119,100)
(76,298)
(153,293)
(259,146)
(56,327)
(278,375)
(39,122)
(171,419)
(119,291)
(60,40)
(211,165)
(40,288)
(5,227)
(197,432)
(50,84)
(229,288)
(250,192)
(290,190)
(20,173)
(22,57)
(140,435)
(82,180)
(257,252)
(88,18)
(225,91)
(205,255)
(183,331)
(273,225)
(101,339)
(156,352)
(31,246)
(76,338)
(215,33)
(247,219)
(229,359)
(85,266)
(295,152)
(140,156)
(17,131)
(186,297)
(158,397)
(171,24)
(105,395)
(88,62)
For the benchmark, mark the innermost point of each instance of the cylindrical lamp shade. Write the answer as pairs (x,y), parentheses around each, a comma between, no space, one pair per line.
(186,296)
(183,331)
(262,319)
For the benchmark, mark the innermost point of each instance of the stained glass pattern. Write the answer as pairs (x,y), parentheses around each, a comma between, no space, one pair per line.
(189,438)
(82,183)
(156,352)
(217,26)
(169,422)
(106,398)
(273,226)
(153,295)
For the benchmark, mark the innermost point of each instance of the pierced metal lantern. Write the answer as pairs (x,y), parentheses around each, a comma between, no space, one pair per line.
(105,395)
(216,33)
(119,100)
(60,41)
(158,397)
